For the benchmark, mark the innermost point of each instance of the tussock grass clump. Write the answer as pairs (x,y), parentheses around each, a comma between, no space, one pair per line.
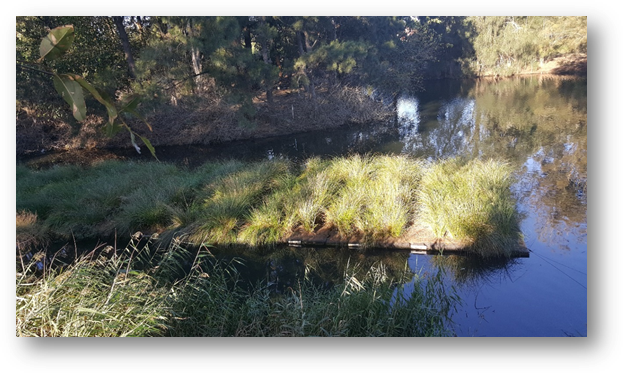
(271,220)
(228,201)
(368,197)
(317,193)
(377,194)
(471,201)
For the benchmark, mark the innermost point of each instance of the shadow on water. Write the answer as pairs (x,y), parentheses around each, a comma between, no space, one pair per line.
(282,267)
(469,270)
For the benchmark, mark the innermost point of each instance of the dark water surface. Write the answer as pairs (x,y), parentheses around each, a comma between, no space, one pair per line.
(539,125)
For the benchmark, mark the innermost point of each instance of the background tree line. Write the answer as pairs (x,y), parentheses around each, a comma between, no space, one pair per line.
(236,59)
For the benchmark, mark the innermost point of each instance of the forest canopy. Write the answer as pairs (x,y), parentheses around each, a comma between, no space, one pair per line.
(227,63)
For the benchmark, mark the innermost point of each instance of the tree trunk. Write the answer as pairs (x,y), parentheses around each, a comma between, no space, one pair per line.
(267,61)
(334,75)
(196,64)
(247,38)
(301,37)
(125,43)
(312,86)
(195,56)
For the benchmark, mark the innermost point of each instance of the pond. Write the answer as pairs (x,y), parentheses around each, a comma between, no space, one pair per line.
(538,124)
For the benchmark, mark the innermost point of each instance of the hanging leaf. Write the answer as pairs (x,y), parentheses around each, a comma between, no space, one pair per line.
(57,42)
(147,143)
(130,107)
(111,129)
(99,96)
(133,139)
(131,104)
(71,91)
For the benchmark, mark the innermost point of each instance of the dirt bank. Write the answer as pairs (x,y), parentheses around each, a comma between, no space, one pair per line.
(206,121)
(573,64)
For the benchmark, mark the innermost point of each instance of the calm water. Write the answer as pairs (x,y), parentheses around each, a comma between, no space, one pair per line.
(537,124)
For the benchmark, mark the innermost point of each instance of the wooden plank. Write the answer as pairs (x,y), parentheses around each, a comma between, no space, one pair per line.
(418,240)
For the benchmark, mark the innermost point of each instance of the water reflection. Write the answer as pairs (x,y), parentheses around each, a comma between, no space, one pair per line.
(446,134)
(282,267)
(470,271)
(538,125)
(554,193)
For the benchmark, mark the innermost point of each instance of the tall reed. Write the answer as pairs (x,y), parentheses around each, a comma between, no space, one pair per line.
(142,291)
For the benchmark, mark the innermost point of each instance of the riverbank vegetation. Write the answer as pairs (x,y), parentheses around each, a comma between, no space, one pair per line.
(211,79)
(176,292)
(366,198)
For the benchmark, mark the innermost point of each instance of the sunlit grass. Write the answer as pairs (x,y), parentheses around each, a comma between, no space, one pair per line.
(266,226)
(471,202)
(318,191)
(276,216)
(372,197)
(228,201)
(377,194)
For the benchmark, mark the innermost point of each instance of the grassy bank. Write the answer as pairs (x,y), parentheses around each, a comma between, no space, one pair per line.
(141,291)
(370,198)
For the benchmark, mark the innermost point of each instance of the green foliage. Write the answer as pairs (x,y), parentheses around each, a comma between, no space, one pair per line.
(230,61)
(57,42)
(94,54)
(454,46)
(510,45)
(335,56)
(55,45)
(71,91)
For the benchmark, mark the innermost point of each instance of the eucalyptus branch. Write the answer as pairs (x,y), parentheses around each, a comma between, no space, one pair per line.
(19,64)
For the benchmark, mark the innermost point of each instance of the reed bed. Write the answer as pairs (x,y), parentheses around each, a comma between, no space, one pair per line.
(144,291)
